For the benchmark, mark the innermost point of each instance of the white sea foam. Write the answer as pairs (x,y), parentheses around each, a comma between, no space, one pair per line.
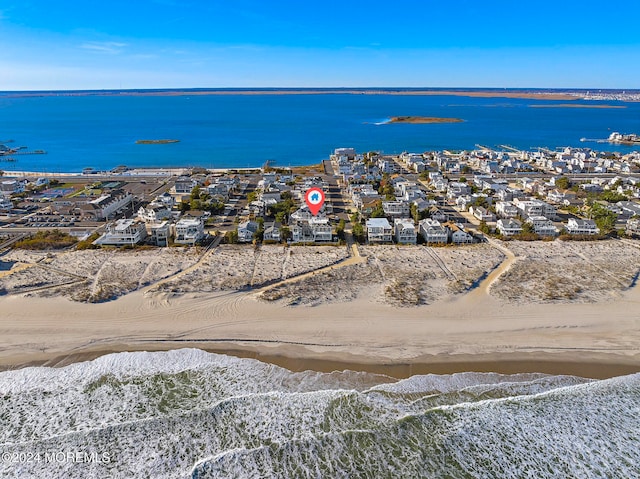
(189,413)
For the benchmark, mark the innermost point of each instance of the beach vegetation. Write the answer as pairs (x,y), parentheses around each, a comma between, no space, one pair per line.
(231,237)
(88,242)
(285,234)
(49,239)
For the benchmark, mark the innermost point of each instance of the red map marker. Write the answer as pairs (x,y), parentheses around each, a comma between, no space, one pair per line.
(315,199)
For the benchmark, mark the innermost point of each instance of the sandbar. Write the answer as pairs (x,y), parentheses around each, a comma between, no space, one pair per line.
(576,105)
(423,119)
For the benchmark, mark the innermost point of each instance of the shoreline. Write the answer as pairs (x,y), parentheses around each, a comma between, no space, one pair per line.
(488,93)
(296,359)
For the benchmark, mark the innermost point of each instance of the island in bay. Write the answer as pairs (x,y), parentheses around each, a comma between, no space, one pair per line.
(155,142)
(423,119)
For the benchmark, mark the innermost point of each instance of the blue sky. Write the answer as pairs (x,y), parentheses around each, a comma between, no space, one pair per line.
(108,44)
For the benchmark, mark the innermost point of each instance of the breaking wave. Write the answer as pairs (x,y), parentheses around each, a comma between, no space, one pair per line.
(192,414)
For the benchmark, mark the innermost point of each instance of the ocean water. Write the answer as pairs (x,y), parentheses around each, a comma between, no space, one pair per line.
(192,414)
(217,131)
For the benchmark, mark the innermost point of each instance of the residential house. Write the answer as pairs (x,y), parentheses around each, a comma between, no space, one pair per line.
(314,230)
(456,189)
(506,209)
(405,231)
(272,231)
(5,204)
(535,207)
(124,232)
(457,234)
(437,214)
(106,205)
(166,199)
(576,226)
(482,213)
(159,233)
(9,187)
(184,185)
(396,209)
(509,227)
(633,227)
(189,230)
(542,226)
(378,230)
(246,231)
(433,232)
(154,213)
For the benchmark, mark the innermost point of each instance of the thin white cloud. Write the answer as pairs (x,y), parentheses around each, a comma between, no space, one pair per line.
(104,47)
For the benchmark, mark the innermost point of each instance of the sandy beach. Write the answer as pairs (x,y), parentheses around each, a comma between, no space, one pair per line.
(470,308)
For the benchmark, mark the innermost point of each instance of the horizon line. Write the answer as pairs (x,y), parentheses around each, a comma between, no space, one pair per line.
(325,88)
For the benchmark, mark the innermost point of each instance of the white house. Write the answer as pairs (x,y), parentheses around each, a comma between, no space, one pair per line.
(124,232)
(458,235)
(576,226)
(506,209)
(184,185)
(433,232)
(509,227)
(159,233)
(154,213)
(107,205)
(246,231)
(396,209)
(314,230)
(378,230)
(633,227)
(5,204)
(482,213)
(542,226)
(272,231)
(189,230)
(9,187)
(405,231)
(535,207)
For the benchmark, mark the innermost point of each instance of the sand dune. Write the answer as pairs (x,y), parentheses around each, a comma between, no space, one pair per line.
(354,325)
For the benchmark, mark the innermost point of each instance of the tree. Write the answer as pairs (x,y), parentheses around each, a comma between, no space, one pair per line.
(528,228)
(378,211)
(252,196)
(340,229)
(195,193)
(232,236)
(358,232)
(563,183)
(613,196)
(604,218)
(285,233)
